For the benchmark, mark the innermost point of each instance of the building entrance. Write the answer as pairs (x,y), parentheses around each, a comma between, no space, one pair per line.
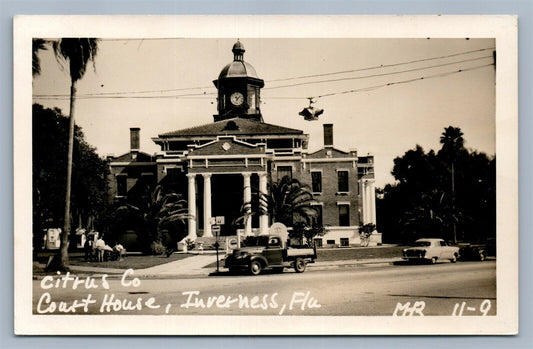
(227,200)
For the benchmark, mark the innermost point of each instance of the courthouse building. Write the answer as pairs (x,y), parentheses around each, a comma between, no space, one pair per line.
(223,164)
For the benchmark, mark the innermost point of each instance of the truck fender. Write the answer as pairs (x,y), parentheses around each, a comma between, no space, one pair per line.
(261,258)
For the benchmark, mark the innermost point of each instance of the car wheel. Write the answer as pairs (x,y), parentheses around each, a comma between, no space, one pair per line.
(434,260)
(256,267)
(278,270)
(233,271)
(299,265)
(454,259)
(482,256)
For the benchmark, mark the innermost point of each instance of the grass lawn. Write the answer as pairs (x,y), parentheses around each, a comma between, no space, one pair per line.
(130,261)
(343,254)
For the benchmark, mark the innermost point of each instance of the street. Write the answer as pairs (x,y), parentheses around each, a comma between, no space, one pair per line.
(467,288)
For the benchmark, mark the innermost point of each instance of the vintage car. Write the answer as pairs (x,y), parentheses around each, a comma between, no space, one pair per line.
(431,250)
(469,252)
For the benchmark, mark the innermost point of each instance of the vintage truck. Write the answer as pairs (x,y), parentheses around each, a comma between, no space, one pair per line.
(269,252)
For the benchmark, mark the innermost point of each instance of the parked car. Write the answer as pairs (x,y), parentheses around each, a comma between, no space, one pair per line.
(469,252)
(431,250)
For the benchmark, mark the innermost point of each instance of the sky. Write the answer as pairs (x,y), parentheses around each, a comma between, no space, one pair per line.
(383,96)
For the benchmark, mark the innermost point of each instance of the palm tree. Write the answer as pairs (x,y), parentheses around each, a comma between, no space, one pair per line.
(161,211)
(452,146)
(76,52)
(37,45)
(289,202)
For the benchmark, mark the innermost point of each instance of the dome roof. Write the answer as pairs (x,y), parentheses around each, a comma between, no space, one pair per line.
(238,68)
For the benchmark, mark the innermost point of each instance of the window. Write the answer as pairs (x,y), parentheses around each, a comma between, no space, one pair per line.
(344,215)
(122,185)
(343,181)
(345,242)
(316,179)
(284,171)
(318,218)
(443,243)
(318,242)
(330,242)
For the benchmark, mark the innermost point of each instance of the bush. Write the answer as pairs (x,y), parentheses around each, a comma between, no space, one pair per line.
(190,244)
(158,248)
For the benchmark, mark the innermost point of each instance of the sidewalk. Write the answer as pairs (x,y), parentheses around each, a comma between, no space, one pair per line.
(194,266)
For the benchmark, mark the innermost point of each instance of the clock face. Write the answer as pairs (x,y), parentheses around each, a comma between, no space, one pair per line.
(236,98)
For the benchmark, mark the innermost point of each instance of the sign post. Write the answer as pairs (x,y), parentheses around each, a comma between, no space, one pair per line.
(216,229)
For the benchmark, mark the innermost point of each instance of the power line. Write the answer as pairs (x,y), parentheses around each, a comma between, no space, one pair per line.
(195,96)
(286,79)
(405,81)
(377,75)
(384,65)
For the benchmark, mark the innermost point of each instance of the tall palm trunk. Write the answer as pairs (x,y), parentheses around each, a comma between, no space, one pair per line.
(66,227)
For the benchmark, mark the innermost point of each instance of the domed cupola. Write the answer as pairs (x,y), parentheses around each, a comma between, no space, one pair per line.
(239,89)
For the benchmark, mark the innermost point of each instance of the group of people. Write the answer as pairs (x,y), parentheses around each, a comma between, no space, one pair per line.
(99,251)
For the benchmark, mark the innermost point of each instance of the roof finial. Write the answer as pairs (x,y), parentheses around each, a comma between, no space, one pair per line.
(238,51)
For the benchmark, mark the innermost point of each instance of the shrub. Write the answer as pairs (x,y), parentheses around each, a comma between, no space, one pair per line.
(158,248)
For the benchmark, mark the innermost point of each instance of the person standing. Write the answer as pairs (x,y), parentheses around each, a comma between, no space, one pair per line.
(100,247)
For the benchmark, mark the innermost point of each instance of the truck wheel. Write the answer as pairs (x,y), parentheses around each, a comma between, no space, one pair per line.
(256,267)
(299,265)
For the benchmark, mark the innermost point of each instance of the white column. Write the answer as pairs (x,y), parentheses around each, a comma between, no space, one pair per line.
(366,208)
(263,218)
(373,202)
(207,204)
(248,203)
(363,201)
(192,206)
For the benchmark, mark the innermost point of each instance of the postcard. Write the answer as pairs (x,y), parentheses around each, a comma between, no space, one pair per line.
(266,175)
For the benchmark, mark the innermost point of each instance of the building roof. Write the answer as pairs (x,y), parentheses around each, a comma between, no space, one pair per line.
(234,126)
(133,157)
(330,152)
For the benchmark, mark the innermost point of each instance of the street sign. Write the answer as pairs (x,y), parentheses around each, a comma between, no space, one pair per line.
(215,229)
(219,220)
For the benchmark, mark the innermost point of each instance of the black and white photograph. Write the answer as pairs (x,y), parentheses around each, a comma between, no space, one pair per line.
(183,175)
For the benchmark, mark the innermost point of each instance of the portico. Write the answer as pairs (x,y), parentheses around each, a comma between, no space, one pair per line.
(224,206)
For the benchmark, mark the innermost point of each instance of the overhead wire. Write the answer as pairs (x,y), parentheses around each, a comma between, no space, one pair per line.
(298,77)
(195,96)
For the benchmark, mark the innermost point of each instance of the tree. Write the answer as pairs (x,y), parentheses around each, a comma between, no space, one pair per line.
(452,147)
(365,231)
(450,194)
(49,158)
(304,232)
(37,45)
(77,53)
(161,218)
(289,202)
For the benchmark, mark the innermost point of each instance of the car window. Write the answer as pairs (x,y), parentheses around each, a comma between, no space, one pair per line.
(443,243)
(423,243)
(273,242)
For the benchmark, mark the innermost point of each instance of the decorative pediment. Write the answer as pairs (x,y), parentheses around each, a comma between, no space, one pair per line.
(226,146)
